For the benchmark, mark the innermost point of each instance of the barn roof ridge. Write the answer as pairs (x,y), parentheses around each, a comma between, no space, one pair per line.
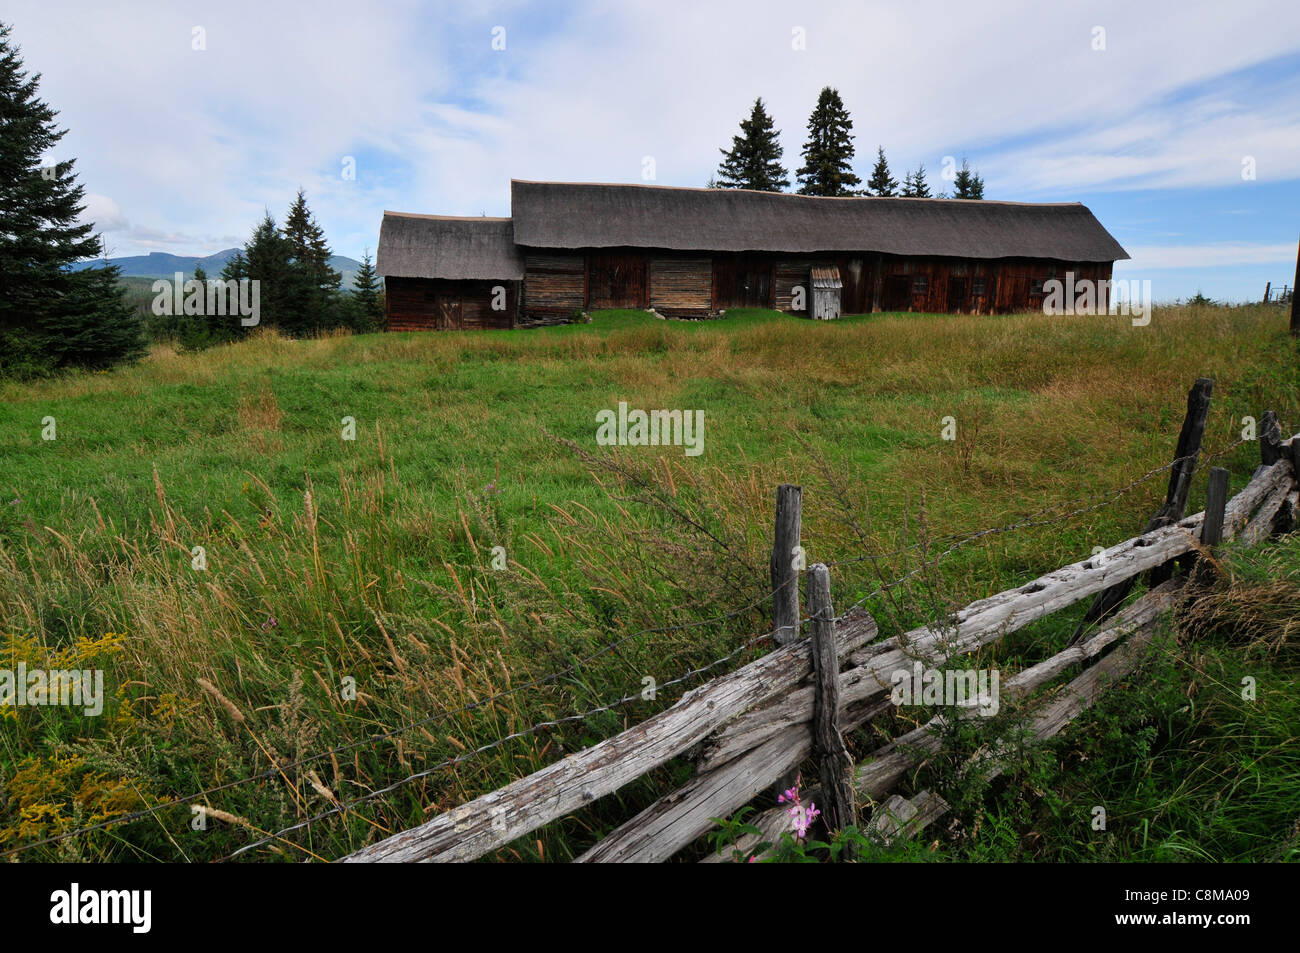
(596,215)
(792,195)
(451,218)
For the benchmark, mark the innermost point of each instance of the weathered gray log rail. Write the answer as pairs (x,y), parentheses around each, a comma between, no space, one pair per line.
(753,726)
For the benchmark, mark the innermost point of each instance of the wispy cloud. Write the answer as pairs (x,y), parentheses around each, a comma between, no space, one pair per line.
(1210,255)
(179,144)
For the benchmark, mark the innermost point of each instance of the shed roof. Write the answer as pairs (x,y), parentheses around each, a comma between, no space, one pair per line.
(594,215)
(445,246)
(826,278)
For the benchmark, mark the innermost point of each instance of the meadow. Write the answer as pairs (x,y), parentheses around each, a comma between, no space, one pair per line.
(316,570)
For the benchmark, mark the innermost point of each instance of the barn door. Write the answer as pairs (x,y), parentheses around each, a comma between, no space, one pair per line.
(957,294)
(742,283)
(898,293)
(617,281)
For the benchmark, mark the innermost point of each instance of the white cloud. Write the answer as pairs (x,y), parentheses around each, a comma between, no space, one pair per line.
(103,212)
(192,144)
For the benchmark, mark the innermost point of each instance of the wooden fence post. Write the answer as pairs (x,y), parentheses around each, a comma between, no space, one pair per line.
(1216,499)
(785,578)
(1295,300)
(1180,484)
(785,583)
(836,767)
(1270,439)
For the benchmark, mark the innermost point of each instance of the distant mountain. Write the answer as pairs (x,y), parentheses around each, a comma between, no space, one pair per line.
(158,264)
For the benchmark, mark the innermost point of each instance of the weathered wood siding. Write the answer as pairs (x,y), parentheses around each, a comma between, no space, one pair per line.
(681,287)
(554,284)
(858,277)
(787,275)
(972,286)
(936,285)
(826,303)
(422,304)
(742,281)
(1020,281)
(617,279)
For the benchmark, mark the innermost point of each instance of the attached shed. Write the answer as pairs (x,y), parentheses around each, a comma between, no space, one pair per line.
(826,287)
(448,273)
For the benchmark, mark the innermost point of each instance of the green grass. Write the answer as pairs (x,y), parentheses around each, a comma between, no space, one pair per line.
(385,575)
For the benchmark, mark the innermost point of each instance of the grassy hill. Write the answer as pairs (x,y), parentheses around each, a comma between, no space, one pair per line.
(368,562)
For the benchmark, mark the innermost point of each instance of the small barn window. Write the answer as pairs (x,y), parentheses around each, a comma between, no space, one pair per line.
(977,287)
(920,284)
(1036,286)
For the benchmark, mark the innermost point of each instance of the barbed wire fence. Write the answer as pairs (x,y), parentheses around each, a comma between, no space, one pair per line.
(955,543)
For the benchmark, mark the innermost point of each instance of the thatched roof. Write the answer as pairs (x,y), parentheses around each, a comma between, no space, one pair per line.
(443,246)
(583,215)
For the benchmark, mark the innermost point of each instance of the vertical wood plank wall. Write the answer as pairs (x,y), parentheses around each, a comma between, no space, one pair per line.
(696,285)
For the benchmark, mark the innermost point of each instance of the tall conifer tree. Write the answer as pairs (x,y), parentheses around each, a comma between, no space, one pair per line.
(313,284)
(828,152)
(50,315)
(754,160)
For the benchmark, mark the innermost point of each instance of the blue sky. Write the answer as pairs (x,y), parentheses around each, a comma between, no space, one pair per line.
(1148,113)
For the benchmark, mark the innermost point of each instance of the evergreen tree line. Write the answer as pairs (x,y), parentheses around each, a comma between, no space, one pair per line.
(298,292)
(754,159)
(53,317)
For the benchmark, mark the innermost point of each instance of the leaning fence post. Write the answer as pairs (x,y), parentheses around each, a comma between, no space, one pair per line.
(1216,501)
(785,577)
(834,763)
(1180,484)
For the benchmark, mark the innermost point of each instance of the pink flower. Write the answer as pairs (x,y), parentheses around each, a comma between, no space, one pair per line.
(802,817)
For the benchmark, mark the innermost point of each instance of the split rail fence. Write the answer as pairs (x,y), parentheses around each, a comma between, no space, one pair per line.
(754,727)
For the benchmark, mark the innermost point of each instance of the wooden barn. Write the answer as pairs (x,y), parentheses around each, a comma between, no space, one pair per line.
(693,253)
(444,273)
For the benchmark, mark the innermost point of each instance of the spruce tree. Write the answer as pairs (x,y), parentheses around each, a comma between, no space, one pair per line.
(266,260)
(365,297)
(236,267)
(194,332)
(754,160)
(968,184)
(914,184)
(828,152)
(881,182)
(50,316)
(312,282)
